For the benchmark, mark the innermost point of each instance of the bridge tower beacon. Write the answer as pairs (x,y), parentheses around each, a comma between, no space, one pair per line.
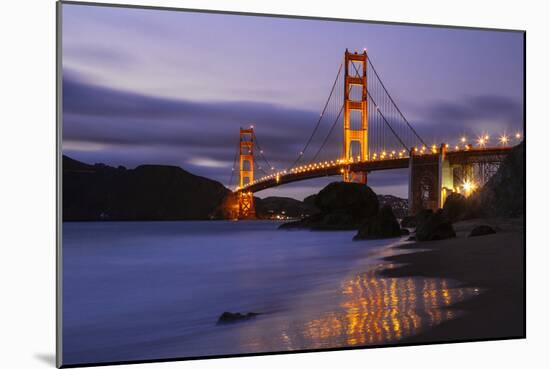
(355,78)
(246,172)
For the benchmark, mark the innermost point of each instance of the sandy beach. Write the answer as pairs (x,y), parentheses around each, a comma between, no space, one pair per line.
(493,263)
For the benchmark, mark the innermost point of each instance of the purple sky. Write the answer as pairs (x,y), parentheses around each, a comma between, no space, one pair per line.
(164,87)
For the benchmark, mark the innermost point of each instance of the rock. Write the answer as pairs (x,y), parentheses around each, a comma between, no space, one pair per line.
(455,208)
(422,216)
(408,221)
(481,230)
(228,317)
(435,227)
(382,225)
(412,238)
(405,232)
(353,199)
(342,206)
(504,193)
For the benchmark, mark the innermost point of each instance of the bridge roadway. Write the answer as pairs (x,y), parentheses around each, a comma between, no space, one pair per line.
(324,170)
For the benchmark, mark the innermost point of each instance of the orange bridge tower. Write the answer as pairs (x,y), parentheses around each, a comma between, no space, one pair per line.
(246,173)
(355,113)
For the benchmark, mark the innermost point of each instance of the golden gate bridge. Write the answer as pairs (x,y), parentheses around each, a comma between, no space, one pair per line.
(376,136)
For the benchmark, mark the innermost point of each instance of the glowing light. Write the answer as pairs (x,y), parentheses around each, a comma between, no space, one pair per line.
(503,139)
(468,187)
(482,141)
(463,140)
(518,136)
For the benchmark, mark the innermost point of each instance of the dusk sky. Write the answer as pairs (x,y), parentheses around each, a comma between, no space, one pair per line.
(165,87)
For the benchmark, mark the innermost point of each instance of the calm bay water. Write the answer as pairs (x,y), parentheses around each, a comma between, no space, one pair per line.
(153,290)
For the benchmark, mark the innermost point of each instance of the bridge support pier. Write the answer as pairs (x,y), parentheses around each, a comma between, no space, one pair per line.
(247,210)
(431,180)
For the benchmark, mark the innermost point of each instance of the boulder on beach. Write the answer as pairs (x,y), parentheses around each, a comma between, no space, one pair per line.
(228,317)
(456,207)
(435,227)
(342,206)
(481,230)
(408,221)
(382,225)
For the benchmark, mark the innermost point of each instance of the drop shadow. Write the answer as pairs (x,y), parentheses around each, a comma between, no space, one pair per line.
(46,359)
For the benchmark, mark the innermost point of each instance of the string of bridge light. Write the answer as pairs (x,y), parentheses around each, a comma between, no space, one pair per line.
(481,141)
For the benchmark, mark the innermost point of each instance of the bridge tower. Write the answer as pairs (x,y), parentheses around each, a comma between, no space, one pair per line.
(355,86)
(246,173)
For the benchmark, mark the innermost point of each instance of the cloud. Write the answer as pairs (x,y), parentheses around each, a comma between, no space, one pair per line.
(117,127)
(471,116)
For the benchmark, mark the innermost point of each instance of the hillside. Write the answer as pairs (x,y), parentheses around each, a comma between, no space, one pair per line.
(148,192)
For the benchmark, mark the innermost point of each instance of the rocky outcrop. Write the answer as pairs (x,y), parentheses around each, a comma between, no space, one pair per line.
(455,207)
(408,221)
(228,317)
(504,193)
(434,227)
(382,225)
(482,230)
(342,206)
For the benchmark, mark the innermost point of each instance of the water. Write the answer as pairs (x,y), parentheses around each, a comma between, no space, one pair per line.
(153,290)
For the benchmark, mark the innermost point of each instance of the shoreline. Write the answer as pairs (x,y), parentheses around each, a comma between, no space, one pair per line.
(493,263)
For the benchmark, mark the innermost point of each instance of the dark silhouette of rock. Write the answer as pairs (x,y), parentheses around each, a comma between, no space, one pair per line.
(481,230)
(342,206)
(408,221)
(228,317)
(504,193)
(434,227)
(422,216)
(354,199)
(382,225)
(405,232)
(455,207)
(148,192)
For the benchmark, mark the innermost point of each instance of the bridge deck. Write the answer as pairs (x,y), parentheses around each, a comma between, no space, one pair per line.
(325,170)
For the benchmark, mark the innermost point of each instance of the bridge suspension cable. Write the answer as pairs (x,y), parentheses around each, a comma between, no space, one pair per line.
(393,102)
(308,142)
(381,114)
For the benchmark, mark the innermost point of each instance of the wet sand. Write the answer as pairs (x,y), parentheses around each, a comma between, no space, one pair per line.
(493,263)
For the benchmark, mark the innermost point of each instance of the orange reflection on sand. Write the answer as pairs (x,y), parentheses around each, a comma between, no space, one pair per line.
(376,310)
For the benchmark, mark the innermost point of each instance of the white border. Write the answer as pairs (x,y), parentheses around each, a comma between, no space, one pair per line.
(27,185)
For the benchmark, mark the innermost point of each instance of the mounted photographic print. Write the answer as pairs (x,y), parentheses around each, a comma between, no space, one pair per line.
(240,184)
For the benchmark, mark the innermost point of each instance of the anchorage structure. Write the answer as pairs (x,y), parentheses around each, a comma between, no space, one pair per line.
(355,101)
(246,173)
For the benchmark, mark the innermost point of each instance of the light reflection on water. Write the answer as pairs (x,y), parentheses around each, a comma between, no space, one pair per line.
(370,310)
(376,310)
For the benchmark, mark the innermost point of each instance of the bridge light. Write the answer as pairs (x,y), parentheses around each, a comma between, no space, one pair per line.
(463,139)
(518,136)
(503,139)
(469,187)
(457,147)
(487,137)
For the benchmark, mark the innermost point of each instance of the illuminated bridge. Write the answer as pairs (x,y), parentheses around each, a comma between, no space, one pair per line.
(376,136)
